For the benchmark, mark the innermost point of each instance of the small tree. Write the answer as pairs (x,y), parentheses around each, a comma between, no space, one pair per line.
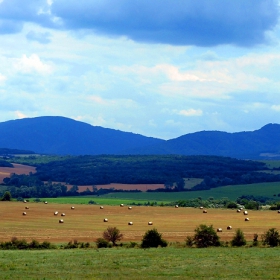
(239,239)
(112,234)
(206,236)
(7,196)
(255,240)
(152,238)
(271,237)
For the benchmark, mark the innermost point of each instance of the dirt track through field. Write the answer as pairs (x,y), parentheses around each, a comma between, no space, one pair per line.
(85,222)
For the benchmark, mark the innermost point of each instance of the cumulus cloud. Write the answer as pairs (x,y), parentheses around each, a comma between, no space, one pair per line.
(180,22)
(32,64)
(190,112)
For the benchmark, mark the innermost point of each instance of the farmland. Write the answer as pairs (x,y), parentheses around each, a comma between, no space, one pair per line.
(85,223)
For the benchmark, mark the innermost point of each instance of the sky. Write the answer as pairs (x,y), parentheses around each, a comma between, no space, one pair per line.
(161,68)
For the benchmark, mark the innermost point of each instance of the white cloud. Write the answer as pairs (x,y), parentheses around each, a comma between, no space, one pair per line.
(20,115)
(275,108)
(190,112)
(32,64)
(2,78)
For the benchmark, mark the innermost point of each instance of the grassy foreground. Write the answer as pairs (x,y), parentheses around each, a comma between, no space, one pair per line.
(161,263)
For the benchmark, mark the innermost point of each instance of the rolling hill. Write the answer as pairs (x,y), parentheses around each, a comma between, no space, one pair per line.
(64,136)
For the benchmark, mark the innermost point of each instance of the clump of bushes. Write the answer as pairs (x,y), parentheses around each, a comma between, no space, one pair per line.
(75,245)
(206,236)
(102,243)
(22,244)
(152,238)
(271,237)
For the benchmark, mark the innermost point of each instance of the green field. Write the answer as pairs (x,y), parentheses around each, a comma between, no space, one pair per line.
(231,192)
(161,263)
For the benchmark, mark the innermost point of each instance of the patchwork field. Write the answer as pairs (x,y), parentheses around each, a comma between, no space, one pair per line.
(18,169)
(85,222)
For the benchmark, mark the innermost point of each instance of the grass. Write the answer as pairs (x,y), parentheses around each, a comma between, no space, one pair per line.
(161,263)
(231,192)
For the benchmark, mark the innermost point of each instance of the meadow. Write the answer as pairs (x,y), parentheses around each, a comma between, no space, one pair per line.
(161,263)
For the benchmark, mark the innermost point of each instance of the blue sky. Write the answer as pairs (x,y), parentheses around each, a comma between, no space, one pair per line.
(157,68)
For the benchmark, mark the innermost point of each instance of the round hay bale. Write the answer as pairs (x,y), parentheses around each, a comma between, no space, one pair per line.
(129,208)
(246,219)
(150,223)
(201,207)
(176,206)
(279,211)
(238,210)
(101,207)
(72,207)
(121,205)
(105,220)
(24,201)
(61,221)
(229,227)
(219,229)
(55,213)
(24,213)
(46,202)
(62,214)
(204,211)
(245,212)
(130,223)
(26,207)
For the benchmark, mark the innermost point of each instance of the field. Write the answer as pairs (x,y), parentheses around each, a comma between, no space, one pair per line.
(161,263)
(85,222)
(18,169)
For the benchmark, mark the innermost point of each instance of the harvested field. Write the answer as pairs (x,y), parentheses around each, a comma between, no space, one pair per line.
(86,222)
(18,169)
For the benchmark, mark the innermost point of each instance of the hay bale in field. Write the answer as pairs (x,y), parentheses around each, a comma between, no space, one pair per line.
(46,202)
(24,213)
(121,205)
(246,219)
(101,207)
(24,201)
(130,223)
(26,207)
(105,220)
(245,212)
(279,211)
(229,227)
(219,229)
(204,211)
(62,214)
(55,213)
(201,207)
(238,210)
(176,206)
(72,207)
(61,221)
(129,208)
(150,223)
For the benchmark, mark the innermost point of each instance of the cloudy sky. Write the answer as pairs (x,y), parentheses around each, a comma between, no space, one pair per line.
(161,68)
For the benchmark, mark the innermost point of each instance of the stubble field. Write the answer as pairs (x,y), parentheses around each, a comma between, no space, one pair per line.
(85,222)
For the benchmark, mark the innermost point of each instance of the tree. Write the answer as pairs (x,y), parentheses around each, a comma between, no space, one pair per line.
(271,237)
(7,196)
(238,239)
(152,238)
(112,234)
(206,236)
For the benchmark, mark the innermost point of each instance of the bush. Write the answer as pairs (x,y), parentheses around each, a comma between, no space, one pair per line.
(271,237)
(206,236)
(189,241)
(232,205)
(255,240)
(152,238)
(238,239)
(102,243)
(7,196)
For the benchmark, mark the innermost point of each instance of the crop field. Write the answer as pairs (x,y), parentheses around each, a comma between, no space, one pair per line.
(85,222)
(18,169)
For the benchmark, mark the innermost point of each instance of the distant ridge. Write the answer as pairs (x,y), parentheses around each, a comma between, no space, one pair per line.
(64,136)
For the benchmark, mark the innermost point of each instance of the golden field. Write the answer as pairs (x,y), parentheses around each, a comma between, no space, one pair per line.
(85,222)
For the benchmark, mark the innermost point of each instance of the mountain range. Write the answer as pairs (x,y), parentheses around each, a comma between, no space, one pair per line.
(64,136)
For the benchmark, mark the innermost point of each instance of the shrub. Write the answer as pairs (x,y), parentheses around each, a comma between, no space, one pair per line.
(152,238)
(255,240)
(232,205)
(238,239)
(102,243)
(206,236)
(271,237)
(7,196)
(189,241)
